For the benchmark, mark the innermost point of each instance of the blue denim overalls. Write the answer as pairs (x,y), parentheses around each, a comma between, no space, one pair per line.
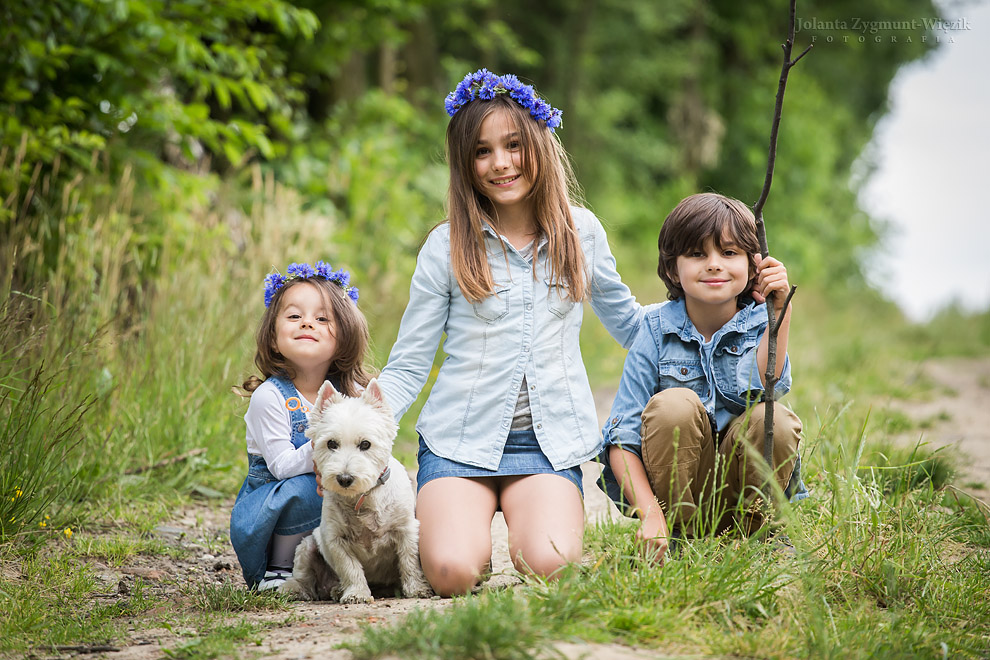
(266,505)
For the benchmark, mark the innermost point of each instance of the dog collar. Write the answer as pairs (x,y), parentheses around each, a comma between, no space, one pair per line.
(382,478)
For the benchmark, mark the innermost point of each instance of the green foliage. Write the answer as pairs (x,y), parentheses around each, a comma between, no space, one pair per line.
(661,99)
(373,172)
(143,90)
(81,76)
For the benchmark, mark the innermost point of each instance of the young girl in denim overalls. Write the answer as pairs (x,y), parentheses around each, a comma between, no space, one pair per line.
(311,331)
(511,416)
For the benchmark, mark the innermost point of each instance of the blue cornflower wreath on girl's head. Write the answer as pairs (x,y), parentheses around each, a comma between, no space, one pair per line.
(342,278)
(484,85)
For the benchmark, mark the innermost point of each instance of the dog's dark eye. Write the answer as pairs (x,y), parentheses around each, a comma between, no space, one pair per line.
(364,446)
(332,444)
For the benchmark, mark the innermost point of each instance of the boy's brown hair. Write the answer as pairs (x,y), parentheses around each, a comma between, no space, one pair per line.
(350,329)
(697,218)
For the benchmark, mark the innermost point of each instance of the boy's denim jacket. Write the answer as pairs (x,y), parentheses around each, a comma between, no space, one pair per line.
(670,352)
(528,327)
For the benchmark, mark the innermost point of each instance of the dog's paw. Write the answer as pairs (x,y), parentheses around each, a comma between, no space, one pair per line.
(295,590)
(356,595)
(416,588)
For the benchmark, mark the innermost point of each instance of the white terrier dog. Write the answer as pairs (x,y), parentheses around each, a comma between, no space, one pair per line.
(369,532)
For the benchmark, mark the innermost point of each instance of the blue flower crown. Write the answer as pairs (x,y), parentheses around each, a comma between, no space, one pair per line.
(484,85)
(342,278)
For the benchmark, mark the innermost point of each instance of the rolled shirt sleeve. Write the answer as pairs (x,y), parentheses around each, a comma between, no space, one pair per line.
(421,328)
(638,384)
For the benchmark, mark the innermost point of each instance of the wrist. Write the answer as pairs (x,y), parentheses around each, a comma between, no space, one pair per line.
(651,511)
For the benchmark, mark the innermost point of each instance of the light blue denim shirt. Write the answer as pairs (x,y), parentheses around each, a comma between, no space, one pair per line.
(670,352)
(527,328)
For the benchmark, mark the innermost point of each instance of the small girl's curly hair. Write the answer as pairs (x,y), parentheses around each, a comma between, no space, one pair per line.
(697,218)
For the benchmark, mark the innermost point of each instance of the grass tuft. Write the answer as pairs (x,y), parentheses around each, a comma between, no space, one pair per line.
(227,598)
(492,626)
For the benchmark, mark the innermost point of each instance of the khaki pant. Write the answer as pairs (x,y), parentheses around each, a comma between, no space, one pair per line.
(704,489)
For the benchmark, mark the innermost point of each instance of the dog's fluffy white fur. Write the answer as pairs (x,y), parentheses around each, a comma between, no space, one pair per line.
(369,532)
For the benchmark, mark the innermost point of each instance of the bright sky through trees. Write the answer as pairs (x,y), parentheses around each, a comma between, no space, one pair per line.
(932,174)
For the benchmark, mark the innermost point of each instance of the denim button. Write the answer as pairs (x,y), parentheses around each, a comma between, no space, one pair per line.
(684,371)
(300,427)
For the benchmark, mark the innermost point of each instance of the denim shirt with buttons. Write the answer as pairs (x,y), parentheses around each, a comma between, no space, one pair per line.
(526,327)
(670,352)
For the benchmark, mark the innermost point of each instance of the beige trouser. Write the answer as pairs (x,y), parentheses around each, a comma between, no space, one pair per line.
(703,489)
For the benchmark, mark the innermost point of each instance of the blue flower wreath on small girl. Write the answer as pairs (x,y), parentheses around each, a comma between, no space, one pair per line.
(484,85)
(342,278)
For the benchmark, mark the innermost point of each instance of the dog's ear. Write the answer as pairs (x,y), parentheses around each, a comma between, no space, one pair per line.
(373,394)
(327,395)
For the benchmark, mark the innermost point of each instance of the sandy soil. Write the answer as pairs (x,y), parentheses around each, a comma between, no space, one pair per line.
(311,630)
(957,417)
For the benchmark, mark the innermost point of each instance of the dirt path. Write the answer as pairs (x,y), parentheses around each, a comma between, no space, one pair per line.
(959,417)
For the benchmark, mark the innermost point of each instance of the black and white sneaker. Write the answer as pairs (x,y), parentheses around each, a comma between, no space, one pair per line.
(273,579)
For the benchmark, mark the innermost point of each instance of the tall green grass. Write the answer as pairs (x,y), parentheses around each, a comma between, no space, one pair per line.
(107,374)
(877,572)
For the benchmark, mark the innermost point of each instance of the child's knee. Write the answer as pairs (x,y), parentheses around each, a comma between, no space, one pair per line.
(786,427)
(675,412)
(547,560)
(451,576)
(678,402)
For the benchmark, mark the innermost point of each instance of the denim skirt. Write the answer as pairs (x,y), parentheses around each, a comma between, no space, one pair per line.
(522,455)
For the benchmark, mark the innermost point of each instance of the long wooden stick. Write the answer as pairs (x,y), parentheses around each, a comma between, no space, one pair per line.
(773,325)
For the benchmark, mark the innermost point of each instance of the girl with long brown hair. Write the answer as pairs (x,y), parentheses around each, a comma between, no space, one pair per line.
(511,417)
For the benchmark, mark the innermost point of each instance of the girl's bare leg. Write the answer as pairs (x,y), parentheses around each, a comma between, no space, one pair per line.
(545,517)
(455,539)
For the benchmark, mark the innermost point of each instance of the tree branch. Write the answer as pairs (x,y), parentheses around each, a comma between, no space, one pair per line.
(773,325)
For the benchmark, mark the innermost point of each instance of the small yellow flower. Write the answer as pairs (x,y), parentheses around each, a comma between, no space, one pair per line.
(42,524)
(67,532)
(18,492)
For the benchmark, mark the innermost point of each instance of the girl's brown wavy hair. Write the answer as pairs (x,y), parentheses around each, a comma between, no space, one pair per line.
(546,165)
(350,331)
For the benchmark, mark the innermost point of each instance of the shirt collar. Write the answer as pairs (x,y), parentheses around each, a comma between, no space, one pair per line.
(674,320)
(487,228)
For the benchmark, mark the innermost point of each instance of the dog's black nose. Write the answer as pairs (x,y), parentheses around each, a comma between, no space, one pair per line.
(345,480)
